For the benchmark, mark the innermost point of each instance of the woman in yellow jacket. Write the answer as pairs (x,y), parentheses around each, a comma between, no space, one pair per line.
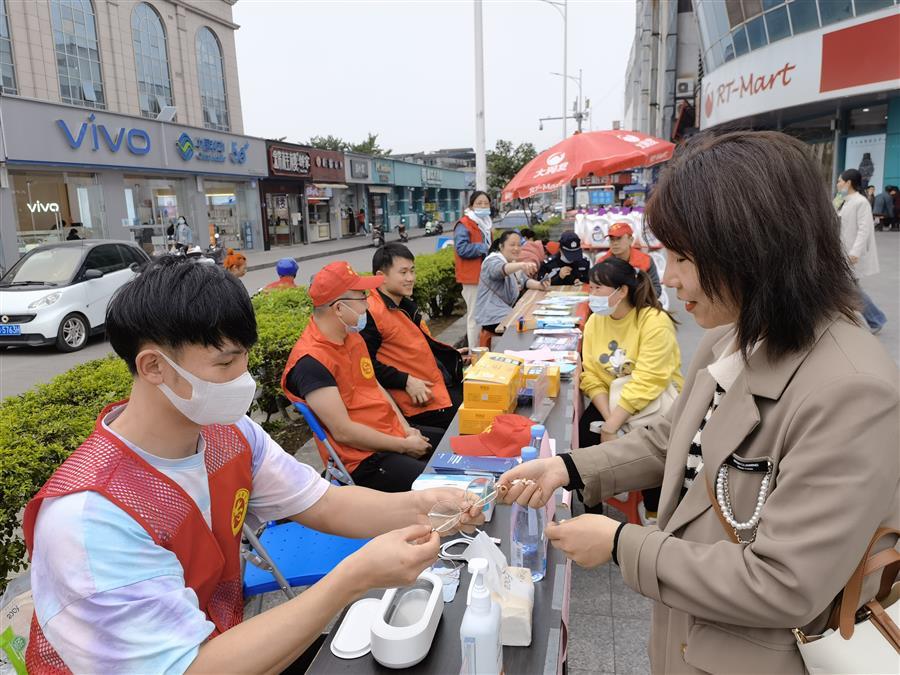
(627,334)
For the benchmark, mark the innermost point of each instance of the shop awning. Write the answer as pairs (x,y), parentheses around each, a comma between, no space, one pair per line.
(333,186)
(380,189)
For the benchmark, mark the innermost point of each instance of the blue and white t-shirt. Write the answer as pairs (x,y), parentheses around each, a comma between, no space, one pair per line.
(111,600)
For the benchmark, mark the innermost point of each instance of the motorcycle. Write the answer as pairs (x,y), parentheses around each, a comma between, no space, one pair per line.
(404,236)
(377,235)
(433,227)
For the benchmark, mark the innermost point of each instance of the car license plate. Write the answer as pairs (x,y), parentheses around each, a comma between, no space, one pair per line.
(10,329)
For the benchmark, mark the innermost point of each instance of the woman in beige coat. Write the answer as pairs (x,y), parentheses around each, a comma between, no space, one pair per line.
(780,458)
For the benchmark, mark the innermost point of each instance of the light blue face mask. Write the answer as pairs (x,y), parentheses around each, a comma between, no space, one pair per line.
(361,320)
(482,213)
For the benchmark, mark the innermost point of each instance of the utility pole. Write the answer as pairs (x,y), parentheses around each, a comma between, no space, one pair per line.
(480,151)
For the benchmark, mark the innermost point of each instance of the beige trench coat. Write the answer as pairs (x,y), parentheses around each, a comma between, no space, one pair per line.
(828,419)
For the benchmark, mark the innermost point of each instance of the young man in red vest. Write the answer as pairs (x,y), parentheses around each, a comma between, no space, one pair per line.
(331,370)
(135,539)
(621,245)
(423,376)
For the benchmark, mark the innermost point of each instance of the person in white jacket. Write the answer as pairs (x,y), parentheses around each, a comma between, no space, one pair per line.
(858,237)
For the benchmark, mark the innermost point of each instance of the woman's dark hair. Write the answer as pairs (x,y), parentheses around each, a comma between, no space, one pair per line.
(527,233)
(780,261)
(499,241)
(476,195)
(615,273)
(175,302)
(852,176)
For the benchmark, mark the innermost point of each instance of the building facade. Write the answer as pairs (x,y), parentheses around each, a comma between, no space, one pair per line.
(826,71)
(663,69)
(117,118)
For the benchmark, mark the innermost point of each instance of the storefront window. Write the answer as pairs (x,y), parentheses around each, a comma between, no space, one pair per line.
(804,15)
(7,67)
(231,210)
(866,6)
(777,24)
(318,204)
(56,207)
(285,214)
(833,11)
(153,205)
(77,53)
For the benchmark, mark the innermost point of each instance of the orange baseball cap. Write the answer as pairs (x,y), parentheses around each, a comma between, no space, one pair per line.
(335,279)
(505,437)
(620,229)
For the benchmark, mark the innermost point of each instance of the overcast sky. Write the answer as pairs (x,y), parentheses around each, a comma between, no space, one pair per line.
(405,70)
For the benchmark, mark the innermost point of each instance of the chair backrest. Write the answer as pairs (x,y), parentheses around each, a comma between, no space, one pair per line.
(337,472)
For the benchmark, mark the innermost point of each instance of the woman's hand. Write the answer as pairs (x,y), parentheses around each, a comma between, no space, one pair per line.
(533,483)
(587,539)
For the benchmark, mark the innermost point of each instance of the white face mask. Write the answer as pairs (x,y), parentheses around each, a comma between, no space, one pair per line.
(599,304)
(212,402)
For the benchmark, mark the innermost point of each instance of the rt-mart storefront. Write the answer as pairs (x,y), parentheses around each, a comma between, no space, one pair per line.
(66,171)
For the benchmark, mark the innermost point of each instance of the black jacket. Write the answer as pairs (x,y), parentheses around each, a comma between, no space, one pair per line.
(579,273)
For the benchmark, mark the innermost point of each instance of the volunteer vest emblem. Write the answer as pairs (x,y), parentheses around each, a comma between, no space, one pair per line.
(365,366)
(239,509)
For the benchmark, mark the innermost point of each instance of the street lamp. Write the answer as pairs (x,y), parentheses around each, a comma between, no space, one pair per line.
(563,9)
(579,112)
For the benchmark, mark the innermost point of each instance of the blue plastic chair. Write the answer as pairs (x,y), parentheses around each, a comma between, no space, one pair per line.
(288,554)
(303,557)
(335,469)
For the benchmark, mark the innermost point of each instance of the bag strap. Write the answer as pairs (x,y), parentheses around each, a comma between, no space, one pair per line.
(887,560)
(884,624)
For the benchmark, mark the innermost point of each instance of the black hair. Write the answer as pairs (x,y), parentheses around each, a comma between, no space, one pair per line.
(852,176)
(500,240)
(527,233)
(176,301)
(384,257)
(476,195)
(615,273)
(779,261)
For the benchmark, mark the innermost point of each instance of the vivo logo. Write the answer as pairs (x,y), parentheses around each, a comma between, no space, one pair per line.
(49,207)
(136,140)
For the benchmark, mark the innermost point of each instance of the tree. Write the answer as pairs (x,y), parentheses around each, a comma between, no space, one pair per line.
(367,147)
(505,161)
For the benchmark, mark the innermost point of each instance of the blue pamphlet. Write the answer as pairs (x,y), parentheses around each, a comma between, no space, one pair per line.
(448,462)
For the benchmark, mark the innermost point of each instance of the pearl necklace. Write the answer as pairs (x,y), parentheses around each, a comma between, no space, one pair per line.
(723,497)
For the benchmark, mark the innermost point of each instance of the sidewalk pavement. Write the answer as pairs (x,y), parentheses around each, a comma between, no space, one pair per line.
(258,260)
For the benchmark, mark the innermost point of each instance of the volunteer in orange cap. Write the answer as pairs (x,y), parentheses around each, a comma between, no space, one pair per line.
(621,245)
(330,369)
(423,376)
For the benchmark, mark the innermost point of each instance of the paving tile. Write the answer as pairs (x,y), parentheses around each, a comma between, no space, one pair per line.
(630,641)
(591,643)
(580,671)
(590,592)
(627,603)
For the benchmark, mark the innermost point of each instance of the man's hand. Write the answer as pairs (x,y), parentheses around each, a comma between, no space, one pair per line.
(394,559)
(606,436)
(419,390)
(587,539)
(415,444)
(564,272)
(466,355)
(472,516)
(533,483)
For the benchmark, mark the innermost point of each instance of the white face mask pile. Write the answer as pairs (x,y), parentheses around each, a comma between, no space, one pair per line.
(212,402)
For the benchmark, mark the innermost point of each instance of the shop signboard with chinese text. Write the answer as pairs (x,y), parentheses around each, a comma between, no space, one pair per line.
(288,161)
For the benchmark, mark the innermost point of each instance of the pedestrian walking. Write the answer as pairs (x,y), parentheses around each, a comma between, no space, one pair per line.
(361,222)
(883,209)
(471,242)
(858,237)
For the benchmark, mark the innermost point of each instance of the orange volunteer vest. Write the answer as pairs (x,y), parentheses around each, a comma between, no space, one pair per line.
(637,259)
(468,270)
(210,558)
(352,369)
(405,347)
(282,282)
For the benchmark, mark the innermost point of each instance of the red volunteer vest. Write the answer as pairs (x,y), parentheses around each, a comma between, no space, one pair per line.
(468,270)
(637,259)
(405,347)
(352,369)
(283,282)
(210,558)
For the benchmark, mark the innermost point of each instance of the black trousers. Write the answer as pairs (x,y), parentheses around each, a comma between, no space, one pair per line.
(438,419)
(389,471)
(587,438)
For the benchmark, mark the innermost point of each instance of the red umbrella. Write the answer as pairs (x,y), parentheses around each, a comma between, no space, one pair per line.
(594,152)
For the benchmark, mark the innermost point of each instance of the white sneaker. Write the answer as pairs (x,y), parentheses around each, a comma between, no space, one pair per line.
(645,519)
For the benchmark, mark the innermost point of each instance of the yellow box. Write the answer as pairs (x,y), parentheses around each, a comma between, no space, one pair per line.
(493,383)
(477,420)
(533,372)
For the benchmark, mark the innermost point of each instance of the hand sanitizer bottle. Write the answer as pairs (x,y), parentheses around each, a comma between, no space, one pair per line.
(479,633)
(528,548)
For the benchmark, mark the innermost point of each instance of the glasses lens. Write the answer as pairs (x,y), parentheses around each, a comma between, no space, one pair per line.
(483,489)
(444,516)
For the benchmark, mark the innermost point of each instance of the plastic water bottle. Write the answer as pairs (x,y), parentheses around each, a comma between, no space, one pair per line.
(528,548)
(537,436)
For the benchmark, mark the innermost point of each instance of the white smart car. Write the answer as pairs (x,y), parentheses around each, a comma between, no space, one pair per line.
(58,293)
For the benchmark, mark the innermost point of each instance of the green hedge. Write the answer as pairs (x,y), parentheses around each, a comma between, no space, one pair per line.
(40,428)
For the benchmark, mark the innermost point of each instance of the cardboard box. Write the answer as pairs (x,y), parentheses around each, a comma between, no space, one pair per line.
(474,421)
(493,383)
(533,372)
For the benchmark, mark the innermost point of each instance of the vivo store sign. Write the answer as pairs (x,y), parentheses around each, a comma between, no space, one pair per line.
(136,141)
(806,68)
